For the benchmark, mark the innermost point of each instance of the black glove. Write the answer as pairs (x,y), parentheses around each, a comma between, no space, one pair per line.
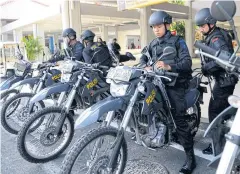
(205,70)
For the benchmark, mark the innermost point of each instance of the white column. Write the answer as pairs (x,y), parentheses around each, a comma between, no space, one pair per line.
(38,32)
(189,33)
(104,33)
(4,37)
(75,16)
(116,32)
(17,35)
(146,31)
(65,14)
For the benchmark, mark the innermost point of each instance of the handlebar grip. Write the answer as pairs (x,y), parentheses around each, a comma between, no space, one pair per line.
(205,48)
(103,67)
(171,74)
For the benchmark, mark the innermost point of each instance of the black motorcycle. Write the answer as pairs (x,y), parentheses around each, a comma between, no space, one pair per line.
(142,97)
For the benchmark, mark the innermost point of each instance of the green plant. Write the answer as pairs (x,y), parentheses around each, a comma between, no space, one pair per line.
(178,26)
(33,47)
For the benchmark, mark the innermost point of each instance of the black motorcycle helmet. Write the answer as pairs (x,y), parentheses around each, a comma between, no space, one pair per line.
(70,33)
(87,35)
(204,16)
(159,17)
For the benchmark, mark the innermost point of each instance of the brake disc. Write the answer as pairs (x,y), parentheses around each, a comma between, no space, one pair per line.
(48,137)
(24,114)
(100,165)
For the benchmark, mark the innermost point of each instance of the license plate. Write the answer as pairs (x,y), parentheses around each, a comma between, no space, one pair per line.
(67,67)
(119,74)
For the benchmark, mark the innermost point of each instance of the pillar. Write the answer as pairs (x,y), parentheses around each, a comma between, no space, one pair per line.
(17,35)
(146,32)
(71,15)
(38,32)
(116,28)
(189,30)
(65,14)
(104,33)
(75,16)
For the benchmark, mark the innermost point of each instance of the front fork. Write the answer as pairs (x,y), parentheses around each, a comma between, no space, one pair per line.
(66,108)
(120,137)
(231,148)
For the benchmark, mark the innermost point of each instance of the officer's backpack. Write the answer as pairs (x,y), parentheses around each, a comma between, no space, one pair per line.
(101,54)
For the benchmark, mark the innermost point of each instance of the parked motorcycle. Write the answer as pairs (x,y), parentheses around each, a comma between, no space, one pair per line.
(227,122)
(82,82)
(142,97)
(14,111)
(22,70)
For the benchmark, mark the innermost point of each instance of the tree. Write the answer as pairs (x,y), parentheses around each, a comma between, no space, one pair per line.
(33,47)
(178,26)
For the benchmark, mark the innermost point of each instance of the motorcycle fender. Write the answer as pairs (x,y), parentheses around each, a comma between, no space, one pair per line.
(56,88)
(223,115)
(9,82)
(93,113)
(30,81)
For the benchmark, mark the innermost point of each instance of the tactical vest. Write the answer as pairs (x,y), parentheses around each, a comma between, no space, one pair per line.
(158,46)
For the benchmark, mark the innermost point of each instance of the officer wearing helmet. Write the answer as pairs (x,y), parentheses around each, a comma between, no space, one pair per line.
(182,64)
(216,38)
(95,52)
(74,47)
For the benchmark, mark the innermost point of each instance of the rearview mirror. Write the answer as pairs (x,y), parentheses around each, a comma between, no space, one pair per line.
(223,10)
(168,51)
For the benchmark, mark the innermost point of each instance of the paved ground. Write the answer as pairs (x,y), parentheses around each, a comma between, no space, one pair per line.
(172,157)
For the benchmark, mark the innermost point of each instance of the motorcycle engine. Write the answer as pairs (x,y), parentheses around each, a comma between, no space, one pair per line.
(156,136)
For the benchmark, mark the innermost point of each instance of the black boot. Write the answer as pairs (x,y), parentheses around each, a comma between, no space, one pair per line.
(190,163)
(208,150)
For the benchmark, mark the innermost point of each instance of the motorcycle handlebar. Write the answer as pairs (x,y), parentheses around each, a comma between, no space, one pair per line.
(205,48)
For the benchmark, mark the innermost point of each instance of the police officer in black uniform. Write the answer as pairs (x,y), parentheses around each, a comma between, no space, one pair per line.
(95,52)
(74,47)
(182,63)
(216,38)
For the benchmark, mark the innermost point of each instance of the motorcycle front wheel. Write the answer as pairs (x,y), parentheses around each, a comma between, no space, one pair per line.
(76,161)
(42,143)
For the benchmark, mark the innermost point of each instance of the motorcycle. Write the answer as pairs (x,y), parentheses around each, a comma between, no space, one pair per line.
(14,111)
(227,122)
(142,97)
(83,83)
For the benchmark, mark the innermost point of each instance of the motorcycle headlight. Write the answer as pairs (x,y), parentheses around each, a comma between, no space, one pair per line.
(65,77)
(19,73)
(118,89)
(35,73)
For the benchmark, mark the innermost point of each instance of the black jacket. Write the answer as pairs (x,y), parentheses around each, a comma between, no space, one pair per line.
(183,61)
(74,51)
(92,54)
(216,41)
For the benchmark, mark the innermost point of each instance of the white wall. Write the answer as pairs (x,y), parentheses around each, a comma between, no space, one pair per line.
(122,37)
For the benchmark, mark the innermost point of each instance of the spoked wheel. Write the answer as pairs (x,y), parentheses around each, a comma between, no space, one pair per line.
(6,95)
(15,111)
(91,154)
(42,143)
(193,120)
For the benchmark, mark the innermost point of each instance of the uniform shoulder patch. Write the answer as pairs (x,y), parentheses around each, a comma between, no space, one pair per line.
(214,40)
